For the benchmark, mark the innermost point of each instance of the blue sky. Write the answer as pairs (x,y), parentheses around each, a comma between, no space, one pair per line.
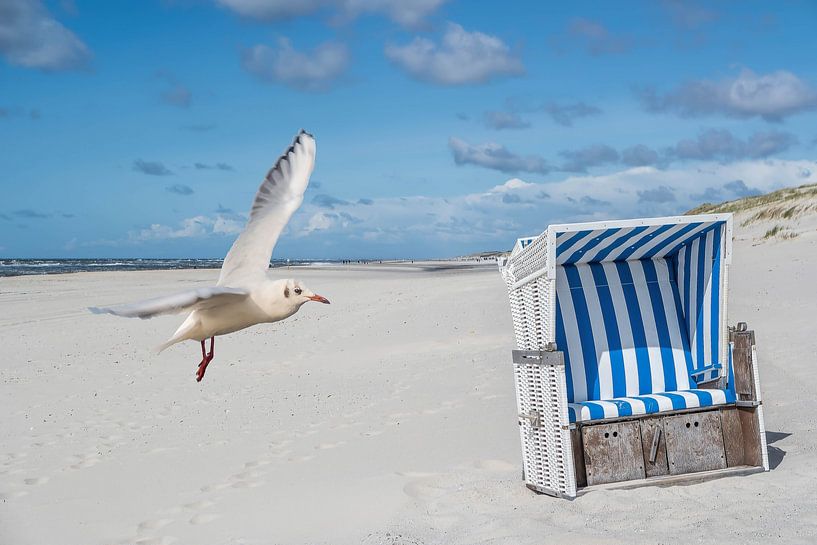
(444,127)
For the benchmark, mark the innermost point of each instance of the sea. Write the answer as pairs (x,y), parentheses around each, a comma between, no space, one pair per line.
(20,267)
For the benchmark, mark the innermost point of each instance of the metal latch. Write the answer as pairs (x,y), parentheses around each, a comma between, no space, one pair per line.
(654,448)
(549,356)
(533,417)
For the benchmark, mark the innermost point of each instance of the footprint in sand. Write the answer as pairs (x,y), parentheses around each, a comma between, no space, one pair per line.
(159,450)
(152,524)
(170,511)
(424,489)
(215,487)
(162,540)
(36,480)
(247,484)
(203,518)
(257,463)
(82,461)
(326,446)
(246,479)
(495,465)
(199,505)
(245,475)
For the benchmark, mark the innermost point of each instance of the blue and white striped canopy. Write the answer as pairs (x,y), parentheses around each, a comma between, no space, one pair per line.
(521,244)
(640,304)
(627,240)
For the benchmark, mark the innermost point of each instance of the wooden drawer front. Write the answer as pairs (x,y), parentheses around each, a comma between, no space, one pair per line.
(612,452)
(694,442)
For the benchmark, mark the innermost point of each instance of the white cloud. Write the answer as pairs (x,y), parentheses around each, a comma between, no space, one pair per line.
(462,58)
(227,226)
(722,144)
(195,227)
(314,70)
(494,218)
(594,155)
(495,156)
(505,120)
(175,93)
(772,96)
(318,222)
(565,114)
(513,183)
(596,38)
(408,13)
(272,10)
(32,38)
(405,12)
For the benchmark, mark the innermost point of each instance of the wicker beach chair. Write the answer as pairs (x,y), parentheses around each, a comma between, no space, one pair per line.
(625,368)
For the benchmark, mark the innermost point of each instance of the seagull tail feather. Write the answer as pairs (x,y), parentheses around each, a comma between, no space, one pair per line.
(165,345)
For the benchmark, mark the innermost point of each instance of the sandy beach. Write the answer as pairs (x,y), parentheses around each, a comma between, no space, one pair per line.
(385,418)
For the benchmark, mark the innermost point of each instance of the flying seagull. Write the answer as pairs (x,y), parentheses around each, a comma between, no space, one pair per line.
(243,296)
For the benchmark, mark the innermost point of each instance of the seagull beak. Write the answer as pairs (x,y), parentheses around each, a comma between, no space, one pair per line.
(320,299)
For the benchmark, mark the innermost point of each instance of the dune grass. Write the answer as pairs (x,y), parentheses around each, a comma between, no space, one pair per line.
(777,204)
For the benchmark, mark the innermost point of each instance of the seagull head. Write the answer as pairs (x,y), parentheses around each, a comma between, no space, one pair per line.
(299,294)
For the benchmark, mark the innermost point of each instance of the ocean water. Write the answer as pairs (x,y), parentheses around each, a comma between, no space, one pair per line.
(19,267)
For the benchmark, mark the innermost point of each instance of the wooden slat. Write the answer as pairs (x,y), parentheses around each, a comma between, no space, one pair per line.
(649,428)
(750,428)
(612,452)
(733,441)
(578,457)
(742,364)
(694,442)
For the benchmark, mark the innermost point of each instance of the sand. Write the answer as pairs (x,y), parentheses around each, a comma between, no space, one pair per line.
(385,418)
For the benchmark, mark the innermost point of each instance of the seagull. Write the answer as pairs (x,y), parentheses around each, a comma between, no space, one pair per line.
(243,296)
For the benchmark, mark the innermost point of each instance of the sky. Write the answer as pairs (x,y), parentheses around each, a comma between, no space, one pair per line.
(443,127)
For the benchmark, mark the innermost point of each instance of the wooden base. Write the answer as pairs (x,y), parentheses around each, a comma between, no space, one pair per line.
(672,480)
(688,444)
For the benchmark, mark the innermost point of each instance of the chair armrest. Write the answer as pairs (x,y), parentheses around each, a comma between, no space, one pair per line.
(708,373)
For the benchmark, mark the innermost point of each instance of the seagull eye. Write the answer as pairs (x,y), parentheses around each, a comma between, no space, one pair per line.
(297,291)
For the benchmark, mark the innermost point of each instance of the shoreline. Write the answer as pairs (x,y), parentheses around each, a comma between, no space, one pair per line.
(65,267)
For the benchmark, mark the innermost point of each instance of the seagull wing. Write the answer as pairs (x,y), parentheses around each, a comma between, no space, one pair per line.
(201,298)
(279,196)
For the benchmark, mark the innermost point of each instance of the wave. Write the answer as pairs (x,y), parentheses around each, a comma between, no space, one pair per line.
(23,267)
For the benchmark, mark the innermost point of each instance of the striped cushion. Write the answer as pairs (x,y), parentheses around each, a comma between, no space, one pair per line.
(648,404)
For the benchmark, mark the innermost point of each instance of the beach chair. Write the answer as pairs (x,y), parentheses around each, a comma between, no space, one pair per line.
(625,369)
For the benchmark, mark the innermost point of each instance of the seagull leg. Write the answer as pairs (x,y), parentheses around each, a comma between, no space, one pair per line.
(206,358)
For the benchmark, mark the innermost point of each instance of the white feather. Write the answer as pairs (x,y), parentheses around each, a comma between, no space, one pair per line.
(279,196)
(201,298)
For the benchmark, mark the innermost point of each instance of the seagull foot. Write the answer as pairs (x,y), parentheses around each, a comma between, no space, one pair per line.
(206,358)
(203,367)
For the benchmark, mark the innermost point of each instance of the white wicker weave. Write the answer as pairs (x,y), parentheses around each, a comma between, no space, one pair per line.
(541,389)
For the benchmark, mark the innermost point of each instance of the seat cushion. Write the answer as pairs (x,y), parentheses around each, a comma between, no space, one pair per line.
(648,404)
